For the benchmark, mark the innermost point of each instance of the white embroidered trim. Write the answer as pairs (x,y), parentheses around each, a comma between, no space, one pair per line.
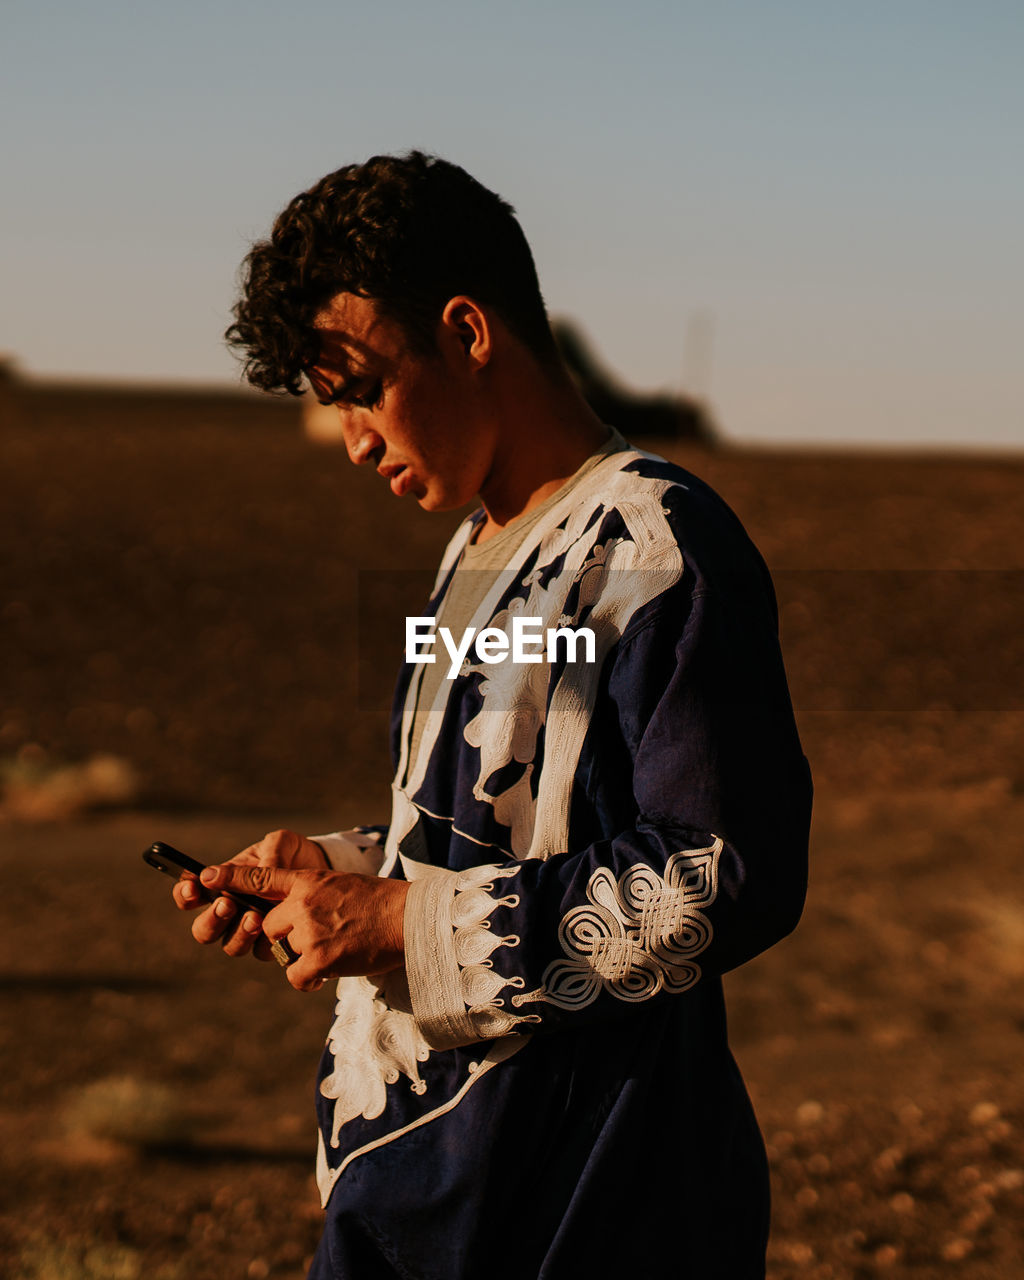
(635,937)
(612,580)
(448,944)
(539,827)
(376,1040)
(326,1177)
(372,1045)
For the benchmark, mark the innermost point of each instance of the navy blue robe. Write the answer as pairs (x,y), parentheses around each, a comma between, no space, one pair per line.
(546,1088)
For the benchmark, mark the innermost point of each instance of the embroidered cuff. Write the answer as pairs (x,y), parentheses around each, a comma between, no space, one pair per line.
(356,850)
(448,944)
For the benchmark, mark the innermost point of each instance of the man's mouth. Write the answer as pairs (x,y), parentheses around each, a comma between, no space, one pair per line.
(398,476)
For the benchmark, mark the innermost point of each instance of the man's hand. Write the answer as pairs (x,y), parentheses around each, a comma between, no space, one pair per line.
(220,922)
(338,922)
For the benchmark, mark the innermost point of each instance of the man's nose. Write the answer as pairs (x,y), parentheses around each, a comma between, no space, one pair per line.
(363,444)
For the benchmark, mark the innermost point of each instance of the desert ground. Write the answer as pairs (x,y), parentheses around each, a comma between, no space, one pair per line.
(201,613)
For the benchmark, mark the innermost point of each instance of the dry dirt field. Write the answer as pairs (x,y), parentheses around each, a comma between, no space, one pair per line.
(216,608)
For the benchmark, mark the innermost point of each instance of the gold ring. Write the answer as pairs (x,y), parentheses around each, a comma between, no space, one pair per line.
(283,953)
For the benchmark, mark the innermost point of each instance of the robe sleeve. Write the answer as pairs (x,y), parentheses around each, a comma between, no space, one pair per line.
(360,849)
(695,720)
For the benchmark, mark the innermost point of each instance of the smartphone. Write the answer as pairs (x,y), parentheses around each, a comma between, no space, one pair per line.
(173,862)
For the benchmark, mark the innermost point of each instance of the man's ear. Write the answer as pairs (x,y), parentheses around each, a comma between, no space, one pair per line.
(467,323)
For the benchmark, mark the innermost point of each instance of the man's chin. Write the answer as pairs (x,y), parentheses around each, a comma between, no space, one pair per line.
(431,501)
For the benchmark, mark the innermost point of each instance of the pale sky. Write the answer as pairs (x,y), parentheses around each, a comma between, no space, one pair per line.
(813,207)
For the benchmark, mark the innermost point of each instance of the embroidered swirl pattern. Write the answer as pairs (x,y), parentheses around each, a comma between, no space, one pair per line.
(635,937)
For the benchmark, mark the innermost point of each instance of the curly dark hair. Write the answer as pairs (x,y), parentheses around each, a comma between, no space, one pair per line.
(408,231)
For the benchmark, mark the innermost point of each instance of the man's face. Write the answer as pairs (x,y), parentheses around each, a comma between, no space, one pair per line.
(415,416)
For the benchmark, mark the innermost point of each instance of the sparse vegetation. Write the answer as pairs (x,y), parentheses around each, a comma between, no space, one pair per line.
(125,1109)
(78,1260)
(85,1259)
(34,788)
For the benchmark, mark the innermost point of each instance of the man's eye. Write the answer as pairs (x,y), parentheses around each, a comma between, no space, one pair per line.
(370,399)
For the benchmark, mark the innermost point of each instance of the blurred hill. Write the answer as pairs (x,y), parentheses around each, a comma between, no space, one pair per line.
(191,586)
(634,414)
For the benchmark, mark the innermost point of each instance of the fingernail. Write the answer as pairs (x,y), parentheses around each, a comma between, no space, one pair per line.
(252,924)
(225,908)
(208,876)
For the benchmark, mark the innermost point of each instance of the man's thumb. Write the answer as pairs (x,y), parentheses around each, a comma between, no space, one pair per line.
(264,882)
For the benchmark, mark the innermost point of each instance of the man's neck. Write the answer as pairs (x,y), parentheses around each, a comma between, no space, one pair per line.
(548,436)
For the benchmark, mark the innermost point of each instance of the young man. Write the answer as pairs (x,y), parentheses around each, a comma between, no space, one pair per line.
(528,1073)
